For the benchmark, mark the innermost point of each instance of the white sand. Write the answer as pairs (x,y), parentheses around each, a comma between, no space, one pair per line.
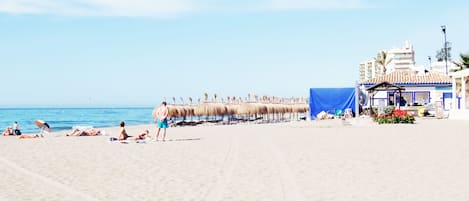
(295,161)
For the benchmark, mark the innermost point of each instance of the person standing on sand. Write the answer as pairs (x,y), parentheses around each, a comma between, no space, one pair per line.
(162,120)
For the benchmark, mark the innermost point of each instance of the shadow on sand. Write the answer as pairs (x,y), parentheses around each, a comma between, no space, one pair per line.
(185,139)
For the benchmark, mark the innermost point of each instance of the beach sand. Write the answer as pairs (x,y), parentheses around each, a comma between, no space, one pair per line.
(326,160)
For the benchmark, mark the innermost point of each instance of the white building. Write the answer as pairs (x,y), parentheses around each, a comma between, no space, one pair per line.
(440,66)
(401,58)
(460,90)
(369,70)
(420,89)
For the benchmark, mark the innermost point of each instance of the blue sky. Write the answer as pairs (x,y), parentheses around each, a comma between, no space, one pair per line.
(68,53)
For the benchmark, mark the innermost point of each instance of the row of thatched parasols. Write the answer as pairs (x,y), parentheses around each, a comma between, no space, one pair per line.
(265,108)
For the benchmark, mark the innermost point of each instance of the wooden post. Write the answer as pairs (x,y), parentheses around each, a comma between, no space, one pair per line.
(400,96)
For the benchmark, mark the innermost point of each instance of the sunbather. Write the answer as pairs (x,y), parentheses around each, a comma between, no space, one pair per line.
(28,136)
(89,132)
(8,131)
(123,134)
(141,136)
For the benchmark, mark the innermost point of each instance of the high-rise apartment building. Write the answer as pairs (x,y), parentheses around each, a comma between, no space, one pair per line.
(401,59)
(369,70)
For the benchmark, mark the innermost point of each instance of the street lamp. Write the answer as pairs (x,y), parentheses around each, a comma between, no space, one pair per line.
(430,61)
(443,28)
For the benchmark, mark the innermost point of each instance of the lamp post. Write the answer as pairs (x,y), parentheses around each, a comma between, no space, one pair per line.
(443,28)
(430,62)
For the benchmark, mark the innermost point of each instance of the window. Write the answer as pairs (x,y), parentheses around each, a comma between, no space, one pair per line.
(407,99)
(422,98)
(391,99)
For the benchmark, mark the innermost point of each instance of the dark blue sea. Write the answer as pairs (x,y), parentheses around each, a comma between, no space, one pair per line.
(65,118)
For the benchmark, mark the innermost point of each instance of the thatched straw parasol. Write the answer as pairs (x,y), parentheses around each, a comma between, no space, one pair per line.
(269,107)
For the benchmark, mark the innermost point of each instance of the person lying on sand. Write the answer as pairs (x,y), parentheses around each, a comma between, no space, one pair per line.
(8,131)
(89,132)
(28,136)
(125,137)
(141,136)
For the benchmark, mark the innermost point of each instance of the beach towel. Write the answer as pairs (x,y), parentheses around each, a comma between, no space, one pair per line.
(114,139)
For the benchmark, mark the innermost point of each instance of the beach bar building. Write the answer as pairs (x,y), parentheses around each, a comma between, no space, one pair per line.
(421,88)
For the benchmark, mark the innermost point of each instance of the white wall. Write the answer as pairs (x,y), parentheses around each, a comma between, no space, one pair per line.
(435,95)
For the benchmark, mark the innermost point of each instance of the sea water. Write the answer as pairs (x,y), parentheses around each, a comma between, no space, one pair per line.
(65,118)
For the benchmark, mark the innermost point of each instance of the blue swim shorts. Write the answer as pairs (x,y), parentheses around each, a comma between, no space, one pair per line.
(163,124)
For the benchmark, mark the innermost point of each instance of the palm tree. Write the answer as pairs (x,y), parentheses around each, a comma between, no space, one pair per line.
(383,59)
(463,63)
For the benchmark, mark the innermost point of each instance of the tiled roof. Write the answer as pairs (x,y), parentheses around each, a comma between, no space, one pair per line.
(403,78)
(385,86)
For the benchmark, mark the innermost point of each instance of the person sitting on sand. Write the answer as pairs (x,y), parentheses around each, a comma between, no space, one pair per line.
(89,132)
(8,131)
(16,128)
(123,133)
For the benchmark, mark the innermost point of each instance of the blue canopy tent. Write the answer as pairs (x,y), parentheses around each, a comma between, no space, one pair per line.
(332,100)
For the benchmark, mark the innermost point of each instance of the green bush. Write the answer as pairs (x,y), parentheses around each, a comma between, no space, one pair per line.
(388,110)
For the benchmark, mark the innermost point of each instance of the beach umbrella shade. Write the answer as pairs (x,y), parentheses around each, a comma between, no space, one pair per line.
(173,111)
(39,123)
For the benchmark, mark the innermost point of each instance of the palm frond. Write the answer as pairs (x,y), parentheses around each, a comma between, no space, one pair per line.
(463,63)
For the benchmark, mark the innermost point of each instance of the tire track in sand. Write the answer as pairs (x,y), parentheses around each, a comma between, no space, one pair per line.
(47,181)
(224,177)
(289,187)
